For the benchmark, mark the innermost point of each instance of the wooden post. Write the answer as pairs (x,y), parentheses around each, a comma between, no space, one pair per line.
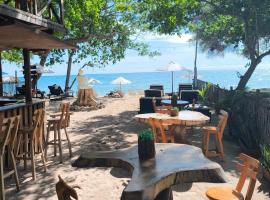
(27,76)
(70,55)
(61,11)
(1,78)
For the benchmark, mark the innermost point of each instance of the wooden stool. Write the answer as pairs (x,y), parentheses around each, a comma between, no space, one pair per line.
(249,168)
(218,134)
(56,124)
(32,136)
(9,128)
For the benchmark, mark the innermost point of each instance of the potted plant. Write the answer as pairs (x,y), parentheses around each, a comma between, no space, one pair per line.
(265,157)
(146,145)
(174,112)
(174,100)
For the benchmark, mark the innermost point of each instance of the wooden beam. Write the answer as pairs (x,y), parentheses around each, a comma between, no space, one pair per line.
(42,10)
(62,10)
(1,78)
(26,17)
(27,76)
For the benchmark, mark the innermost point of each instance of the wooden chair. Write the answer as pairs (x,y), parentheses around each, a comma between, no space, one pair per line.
(64,191)
(218,134)
(8,135)
(56,124)
(161,131)
(33,137)
(249,168)
(162,109)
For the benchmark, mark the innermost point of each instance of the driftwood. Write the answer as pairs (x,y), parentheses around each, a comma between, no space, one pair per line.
(153,178)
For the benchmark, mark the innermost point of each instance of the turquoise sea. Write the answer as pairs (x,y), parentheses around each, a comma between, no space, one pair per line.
(225,78)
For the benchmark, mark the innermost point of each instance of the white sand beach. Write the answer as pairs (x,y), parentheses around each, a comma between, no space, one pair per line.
(110,128)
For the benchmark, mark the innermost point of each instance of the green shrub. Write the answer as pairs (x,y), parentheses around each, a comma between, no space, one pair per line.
(265,156)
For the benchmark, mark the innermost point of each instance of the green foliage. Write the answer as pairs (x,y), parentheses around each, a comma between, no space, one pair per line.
(146,135)
(203,92)
(175,109)
(265,159)
(12,56)
(102,30)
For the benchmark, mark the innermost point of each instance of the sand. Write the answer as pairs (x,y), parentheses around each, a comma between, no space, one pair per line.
(110,128)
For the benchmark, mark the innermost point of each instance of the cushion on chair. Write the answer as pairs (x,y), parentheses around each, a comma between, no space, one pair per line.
(223,193)
(189,95)
(153,93)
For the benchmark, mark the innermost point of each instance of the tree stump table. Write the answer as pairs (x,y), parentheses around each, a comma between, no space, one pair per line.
(86,97)
(153,178)
(184,119)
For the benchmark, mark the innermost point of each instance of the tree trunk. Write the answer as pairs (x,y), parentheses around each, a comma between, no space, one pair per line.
(70,56)
(1,78)
(245,78)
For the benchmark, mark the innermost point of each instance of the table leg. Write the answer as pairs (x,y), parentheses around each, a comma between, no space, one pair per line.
(180,135)
(165,194)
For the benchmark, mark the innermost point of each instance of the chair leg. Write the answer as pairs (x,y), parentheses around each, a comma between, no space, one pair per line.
(42,155)
(32,151)
(47,140)
(15,170)
(54,139)
(25,150)
(221,148)
(69,144)
(17,150)
(2,188)
(207,144)
(60,144)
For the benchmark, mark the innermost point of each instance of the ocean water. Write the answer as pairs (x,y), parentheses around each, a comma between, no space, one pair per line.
(141,81)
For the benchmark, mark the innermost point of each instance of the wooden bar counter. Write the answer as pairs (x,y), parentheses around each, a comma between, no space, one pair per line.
(12,107)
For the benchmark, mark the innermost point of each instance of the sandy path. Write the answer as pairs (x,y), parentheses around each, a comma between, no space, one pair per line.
(107,129)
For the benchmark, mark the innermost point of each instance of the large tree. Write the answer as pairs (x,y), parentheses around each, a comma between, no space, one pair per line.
(102,30)
(236,25)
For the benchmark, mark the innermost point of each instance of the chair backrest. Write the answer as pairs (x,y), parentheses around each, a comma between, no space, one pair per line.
(146,105)
(189,95)
(157,87)
(187,86)
(9,128)
(55,90)
(153,93)
(158,129)
(64,191)
(38,124)
(163,109)
(223,118)
(64,117)
(248,168)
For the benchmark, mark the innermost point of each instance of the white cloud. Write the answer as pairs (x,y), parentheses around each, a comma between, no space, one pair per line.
(184,38)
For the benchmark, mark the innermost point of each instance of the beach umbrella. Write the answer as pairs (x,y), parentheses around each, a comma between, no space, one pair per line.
(93,81)
(172,67)
(120,81)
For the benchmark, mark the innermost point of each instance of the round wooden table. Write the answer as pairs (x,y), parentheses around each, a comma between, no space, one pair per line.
(185,118)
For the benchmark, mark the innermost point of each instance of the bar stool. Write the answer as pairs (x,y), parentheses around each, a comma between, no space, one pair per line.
(9,127)
(32,136)
(56,124)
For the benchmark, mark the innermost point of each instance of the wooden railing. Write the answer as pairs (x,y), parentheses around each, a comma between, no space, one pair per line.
(249,114)
(48,9)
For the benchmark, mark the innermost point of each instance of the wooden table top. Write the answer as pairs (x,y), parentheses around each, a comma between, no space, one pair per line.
(185,118)
(173,164)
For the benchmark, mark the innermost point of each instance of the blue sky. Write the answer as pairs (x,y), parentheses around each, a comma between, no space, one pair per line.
(172,48)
